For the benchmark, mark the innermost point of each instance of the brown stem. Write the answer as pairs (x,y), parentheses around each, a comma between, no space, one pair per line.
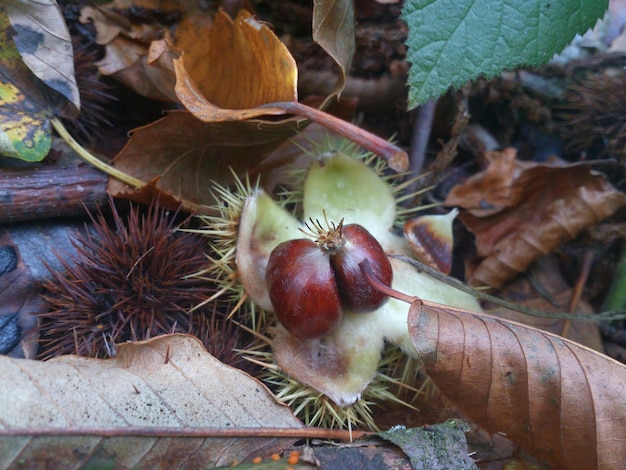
(50,191)
(397,159)
(154,431)
(92,160)
(366,269)
(583,276)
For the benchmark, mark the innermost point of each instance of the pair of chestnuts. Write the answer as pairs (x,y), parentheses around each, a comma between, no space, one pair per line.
(311,282)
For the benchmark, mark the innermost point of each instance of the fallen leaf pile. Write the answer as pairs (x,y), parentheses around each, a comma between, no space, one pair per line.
(230,86)
(519,211)
(234,76)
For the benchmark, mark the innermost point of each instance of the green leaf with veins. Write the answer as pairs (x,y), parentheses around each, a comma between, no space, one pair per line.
(453,41)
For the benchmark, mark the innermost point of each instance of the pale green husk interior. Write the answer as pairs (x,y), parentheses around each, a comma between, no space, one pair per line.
(333,380)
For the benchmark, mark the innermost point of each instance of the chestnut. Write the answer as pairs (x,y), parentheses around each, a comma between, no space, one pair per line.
(357,294)
(310,283)
(303,289)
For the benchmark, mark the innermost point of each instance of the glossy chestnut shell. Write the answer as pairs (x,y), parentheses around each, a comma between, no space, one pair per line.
(303,289)
(311,283)
(357,295)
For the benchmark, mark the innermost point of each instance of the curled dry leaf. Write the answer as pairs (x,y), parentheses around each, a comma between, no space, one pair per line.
(182,155)
(560,401)
(43,40)
(168,381)
(225,129)
(520,211)
(227,83)
(230,66)
(180,152)
(249,81)
(333,30)
(127,57)
(236,65)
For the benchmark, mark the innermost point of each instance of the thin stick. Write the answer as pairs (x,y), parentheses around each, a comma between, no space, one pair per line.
(368,273)
(600,317)
(27,193)
(421,134)
(397,159)
(150,431)
(92,160)
(585,269)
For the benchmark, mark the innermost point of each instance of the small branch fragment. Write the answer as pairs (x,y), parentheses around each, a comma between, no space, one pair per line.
(366,269)
(152,431)
(396,158)
(51,190)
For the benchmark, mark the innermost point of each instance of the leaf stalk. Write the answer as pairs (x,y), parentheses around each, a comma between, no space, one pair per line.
(94,161)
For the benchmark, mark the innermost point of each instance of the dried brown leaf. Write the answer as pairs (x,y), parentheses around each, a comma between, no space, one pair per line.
(229,66)
(43,40)
(184,156)
(560,401)
(235,65)
(224,83)
(168,381)
(333,30)
(128,53)
(520,211)
(108,24)
(180,155)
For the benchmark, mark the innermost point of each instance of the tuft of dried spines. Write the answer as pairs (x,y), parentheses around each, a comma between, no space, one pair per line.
(131,280)
(594,115)
(96,97)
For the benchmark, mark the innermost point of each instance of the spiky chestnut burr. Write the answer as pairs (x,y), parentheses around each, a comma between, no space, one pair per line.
(129,281)
(341,364)
(593,113)
(316,409)
(222,338)
(95,96)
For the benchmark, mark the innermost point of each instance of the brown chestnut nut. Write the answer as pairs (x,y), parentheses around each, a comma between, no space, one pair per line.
(310,283)
(303,289)
(357,295)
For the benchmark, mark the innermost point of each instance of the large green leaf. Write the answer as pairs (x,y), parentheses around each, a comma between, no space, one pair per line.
(452,41)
